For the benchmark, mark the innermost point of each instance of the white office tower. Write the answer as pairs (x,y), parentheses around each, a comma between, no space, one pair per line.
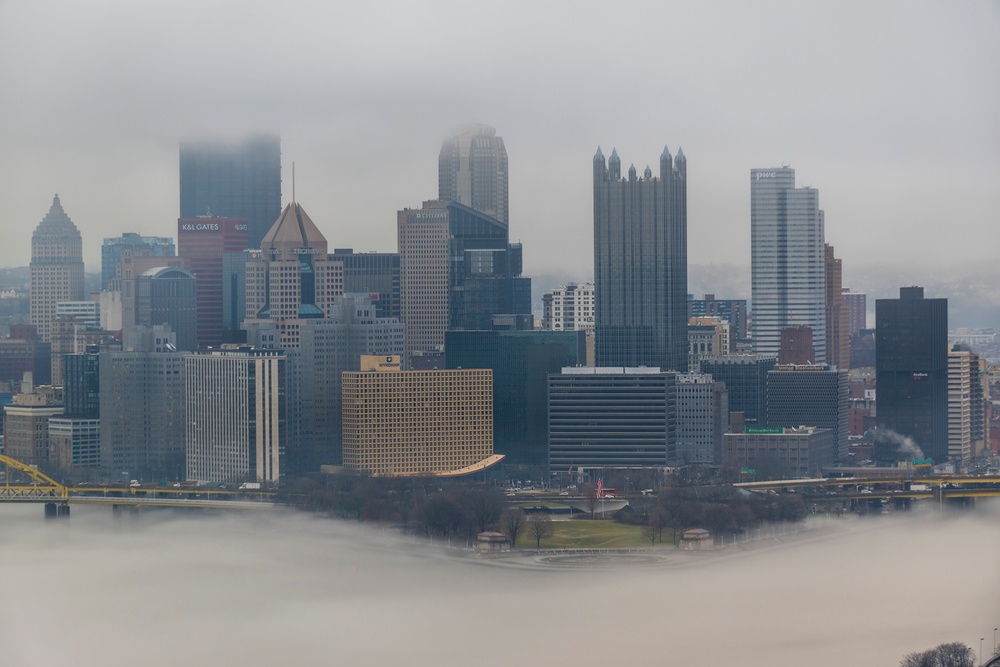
(787,260)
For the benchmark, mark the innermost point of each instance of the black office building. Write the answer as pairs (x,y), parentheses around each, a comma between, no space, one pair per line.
(240,179)
(745,376)
(612,418)
(911,367)
(521,362)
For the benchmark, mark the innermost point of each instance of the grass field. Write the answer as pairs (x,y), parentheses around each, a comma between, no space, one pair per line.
(584,533)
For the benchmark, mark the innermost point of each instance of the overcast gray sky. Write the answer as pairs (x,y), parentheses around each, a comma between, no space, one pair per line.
(891,109)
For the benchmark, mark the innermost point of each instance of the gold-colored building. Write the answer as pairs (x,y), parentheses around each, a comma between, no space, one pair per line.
(436,422)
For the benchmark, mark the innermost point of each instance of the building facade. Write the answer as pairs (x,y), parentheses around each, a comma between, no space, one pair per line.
(702,418)
(960,368)
(797,452)
(640,264)
(521,362)
(911,366)
(733,311)
(788,279)
(856,305)
(56,270)
(291,279)
(400,422)
(165,295)
(707,337)
(612,418)
(811,395)
(235,414)
(142,417)
(239,179)
(205,245)
(371,274)
(134,245)
(457,272)
(838,332)
(569,308)
(745,377)
(472,170)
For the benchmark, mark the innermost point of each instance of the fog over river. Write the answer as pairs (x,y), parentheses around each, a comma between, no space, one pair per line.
(286,589)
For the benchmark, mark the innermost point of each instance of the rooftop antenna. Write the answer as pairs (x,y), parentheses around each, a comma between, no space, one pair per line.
(293,184)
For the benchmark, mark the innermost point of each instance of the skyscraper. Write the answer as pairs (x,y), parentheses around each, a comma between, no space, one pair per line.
(472,170)
(56,270)
(206,245)
(787,260)
(457,270)
(521,362)
(838,337)
(911,365)
(640,264)
(235,407)
(292,278)
(233,180)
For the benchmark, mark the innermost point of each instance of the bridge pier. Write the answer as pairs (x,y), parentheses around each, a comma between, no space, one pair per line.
(56,510)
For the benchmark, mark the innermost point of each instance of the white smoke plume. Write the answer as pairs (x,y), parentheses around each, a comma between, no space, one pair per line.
(904,444)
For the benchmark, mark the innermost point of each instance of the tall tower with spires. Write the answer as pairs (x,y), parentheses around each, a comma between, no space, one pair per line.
(56,270)
(640,264)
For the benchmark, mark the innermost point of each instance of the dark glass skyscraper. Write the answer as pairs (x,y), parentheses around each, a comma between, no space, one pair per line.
(911,366)
(745,376)
(233,180)
(521,362)
(640,264)
(457,271)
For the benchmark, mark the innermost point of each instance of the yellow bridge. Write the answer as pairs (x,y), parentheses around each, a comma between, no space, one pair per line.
(23,483)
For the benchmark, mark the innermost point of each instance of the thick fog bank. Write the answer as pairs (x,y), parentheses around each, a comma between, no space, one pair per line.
(287,589)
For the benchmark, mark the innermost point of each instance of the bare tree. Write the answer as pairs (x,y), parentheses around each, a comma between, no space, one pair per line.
(953,654)
(511,523)
(540,526)
(486,506)
(659,519)
(589,492)
(650,531)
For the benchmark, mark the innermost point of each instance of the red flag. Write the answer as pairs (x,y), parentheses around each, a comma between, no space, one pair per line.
(600,486)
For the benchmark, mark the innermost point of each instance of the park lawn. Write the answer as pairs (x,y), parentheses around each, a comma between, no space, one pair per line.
(584,534)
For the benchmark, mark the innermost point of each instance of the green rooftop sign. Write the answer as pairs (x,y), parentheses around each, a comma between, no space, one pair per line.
(764,431)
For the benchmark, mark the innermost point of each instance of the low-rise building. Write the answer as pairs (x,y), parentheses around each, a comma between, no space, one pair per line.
(433,422)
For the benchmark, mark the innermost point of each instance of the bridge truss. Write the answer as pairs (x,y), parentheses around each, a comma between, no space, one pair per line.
(41,487)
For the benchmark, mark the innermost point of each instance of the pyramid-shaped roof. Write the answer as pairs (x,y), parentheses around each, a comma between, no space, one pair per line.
(294,229)
(56,221)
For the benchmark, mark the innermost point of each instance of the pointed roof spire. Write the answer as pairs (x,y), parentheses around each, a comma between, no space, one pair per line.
(680,154)
(294,230)
(665,153)
(614,155)
(648,173)
(56,219)
(599,155)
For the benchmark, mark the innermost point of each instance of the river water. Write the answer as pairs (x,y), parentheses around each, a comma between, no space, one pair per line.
(286,589)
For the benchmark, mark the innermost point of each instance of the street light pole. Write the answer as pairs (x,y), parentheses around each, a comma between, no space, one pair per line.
(981,650)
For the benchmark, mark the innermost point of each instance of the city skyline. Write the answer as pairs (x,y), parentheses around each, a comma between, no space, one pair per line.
(894,163)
